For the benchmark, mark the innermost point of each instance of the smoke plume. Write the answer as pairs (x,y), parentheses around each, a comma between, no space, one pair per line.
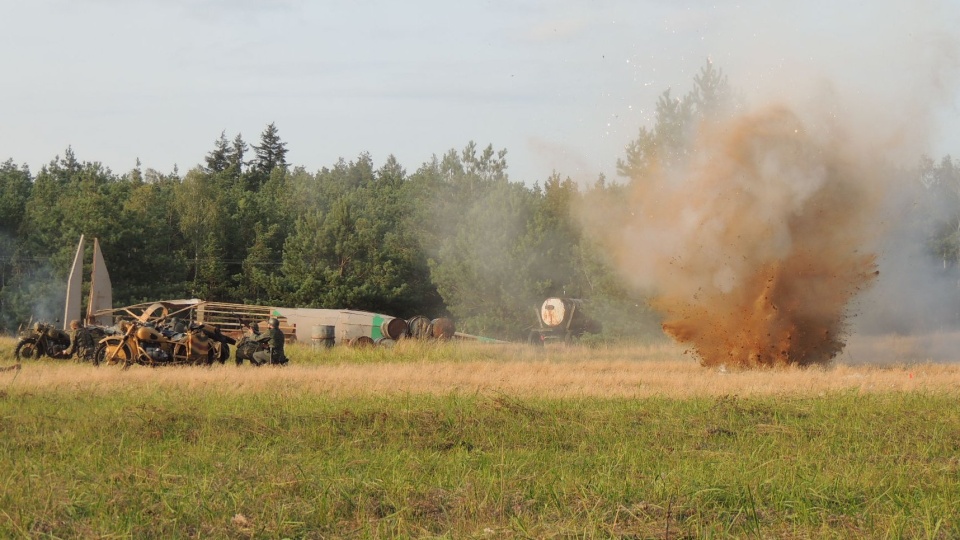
(753,251)
(754,243)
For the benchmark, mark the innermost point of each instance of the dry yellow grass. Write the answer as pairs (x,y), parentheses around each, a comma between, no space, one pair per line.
(516,370)
(898,348)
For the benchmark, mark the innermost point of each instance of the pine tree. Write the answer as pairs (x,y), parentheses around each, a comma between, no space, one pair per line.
(236,157)
(711,95)
(15,186)
(667,143)
(221,156)
(271,152)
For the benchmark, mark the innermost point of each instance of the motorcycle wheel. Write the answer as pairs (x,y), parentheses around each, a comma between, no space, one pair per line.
(124,356)
(224,353)
(180,355)
(27,350)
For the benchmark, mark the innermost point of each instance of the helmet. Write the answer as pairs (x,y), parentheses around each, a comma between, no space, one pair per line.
(274,322)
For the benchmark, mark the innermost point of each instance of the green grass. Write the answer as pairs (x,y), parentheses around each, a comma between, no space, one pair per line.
(176,462)
(177,465)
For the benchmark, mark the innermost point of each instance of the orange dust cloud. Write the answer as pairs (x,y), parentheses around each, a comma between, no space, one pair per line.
(753,252)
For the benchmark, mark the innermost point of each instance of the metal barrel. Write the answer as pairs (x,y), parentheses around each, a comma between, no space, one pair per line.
(322,335)
(419,327)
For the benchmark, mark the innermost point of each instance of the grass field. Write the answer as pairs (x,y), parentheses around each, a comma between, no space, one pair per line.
(479,441)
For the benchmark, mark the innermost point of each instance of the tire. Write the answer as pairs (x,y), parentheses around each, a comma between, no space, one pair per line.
(124,357)
(211,357)
(224,353)
(27,350)
(180,356)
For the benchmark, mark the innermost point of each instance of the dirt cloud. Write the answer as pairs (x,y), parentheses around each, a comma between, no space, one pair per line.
(754,250)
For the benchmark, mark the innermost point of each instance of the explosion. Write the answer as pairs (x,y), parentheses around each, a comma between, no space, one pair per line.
(753,252)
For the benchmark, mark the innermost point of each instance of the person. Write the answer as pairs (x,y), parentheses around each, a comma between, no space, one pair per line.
(169,330)
(275,354)
(250,343)
(81,342)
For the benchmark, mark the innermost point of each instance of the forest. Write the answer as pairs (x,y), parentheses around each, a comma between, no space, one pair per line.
(455,237)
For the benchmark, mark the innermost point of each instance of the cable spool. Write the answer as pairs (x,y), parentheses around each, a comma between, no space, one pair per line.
(394,328)
(385,342)
(419,327)
(554,311)
(361,342)
(443,328)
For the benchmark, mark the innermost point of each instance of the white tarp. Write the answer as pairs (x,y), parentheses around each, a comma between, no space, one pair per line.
(74,283)
(101,290)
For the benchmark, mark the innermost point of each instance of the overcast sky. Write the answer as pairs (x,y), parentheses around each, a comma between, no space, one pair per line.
(561,85)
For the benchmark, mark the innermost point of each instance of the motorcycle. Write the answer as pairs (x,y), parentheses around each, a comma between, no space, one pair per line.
(221,343)
(143,344)
(42,339)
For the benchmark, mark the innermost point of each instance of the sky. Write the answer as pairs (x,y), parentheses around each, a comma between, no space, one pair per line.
(561,85)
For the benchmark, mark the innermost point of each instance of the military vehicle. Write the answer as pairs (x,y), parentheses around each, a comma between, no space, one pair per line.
(42,339)
(562,319)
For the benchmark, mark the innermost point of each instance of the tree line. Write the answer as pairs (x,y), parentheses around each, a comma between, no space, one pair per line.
(456,237)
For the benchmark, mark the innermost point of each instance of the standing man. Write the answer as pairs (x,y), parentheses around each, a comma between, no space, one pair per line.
(275,354)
